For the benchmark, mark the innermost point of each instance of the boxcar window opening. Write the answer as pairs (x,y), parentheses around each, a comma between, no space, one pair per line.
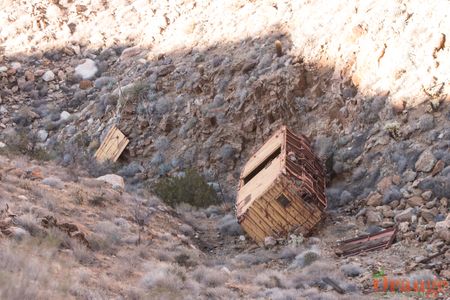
(283,200)
(264,164)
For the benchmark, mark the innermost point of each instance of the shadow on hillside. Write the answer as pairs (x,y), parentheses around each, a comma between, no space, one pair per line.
(206,109)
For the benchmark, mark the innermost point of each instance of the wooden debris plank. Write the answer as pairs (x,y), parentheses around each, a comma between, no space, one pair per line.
(333,284)
(113,145)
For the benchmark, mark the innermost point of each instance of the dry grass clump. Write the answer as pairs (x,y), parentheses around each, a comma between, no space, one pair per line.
(30,224)
(219,292)
(25,273)
(110,231)
(270,279)
(288,252)
(278,294)
(260,256)
(186,230)
(163,279)
(82,254)
(210,277)
(107,237)
(228,225)
(305,258)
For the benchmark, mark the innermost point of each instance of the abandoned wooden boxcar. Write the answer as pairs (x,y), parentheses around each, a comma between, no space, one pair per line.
(281,188)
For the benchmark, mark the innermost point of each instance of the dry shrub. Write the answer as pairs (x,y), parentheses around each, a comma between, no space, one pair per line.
(209,277)
(288,252)
(251,259)
(163,277)
(305,258)
(82,254)
(186,230)
(113,233)
(270,279)
(30,224)
(25,273)
(228,225)
(98,242)
(278,294)
(219,292)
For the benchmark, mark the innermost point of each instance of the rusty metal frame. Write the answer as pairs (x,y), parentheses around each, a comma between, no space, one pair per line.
(370,242)
(307,168)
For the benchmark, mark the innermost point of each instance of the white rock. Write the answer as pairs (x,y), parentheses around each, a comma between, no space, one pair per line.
(53,182)
(16,65)
(42,135)
(18,233)
(426,161)
(48,76)
(64,115)
(87,69)
(3,69)
(115,180)
(269,241)
(2,145)
(443,229)
(242,238)
(130,52)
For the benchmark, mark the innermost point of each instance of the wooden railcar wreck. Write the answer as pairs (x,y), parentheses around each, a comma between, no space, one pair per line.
(281,188)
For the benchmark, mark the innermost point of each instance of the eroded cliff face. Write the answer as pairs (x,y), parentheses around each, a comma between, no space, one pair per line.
(202,84)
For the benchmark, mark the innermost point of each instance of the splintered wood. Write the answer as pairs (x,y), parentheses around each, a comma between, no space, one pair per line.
(113,145)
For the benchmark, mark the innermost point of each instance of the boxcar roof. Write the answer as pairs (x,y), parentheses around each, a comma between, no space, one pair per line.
(258,185)
(261,181)
(275,141)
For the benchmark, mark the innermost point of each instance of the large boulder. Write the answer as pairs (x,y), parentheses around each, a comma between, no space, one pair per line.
(404,216)
(426,161)
(86,70)
(116,181)
(443,229)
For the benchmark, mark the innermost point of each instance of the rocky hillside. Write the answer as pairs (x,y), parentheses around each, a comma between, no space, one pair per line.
(203,83)
(198,90)
(65,235)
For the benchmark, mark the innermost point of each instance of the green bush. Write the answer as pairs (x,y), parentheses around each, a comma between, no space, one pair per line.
(190,188)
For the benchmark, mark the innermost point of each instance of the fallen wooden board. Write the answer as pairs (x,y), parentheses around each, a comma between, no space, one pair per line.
(379,240)
(333,284)
(113,146)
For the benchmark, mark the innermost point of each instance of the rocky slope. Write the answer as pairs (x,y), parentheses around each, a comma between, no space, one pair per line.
(64,235)
(202,84)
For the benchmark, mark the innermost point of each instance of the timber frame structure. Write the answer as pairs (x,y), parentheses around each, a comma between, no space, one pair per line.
(281,188)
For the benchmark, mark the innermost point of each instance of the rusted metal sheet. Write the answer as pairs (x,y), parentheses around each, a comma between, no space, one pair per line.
(113,145)
(379,240)
(281,188)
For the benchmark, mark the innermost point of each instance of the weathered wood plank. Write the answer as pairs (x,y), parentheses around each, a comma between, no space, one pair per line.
(113,145)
